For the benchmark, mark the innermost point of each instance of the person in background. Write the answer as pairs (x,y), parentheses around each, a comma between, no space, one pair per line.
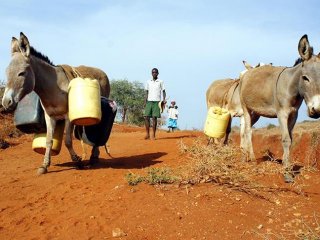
(172,116)
(154,89)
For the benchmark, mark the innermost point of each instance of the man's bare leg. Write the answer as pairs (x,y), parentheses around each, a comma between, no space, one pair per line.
(147,123)
(154,127)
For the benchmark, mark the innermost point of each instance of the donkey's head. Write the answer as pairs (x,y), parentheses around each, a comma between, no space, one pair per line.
(309,84)
(20,76)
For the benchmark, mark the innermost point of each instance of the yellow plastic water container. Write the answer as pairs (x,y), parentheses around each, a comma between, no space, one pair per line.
(216,122)
(84,101)
(39,140)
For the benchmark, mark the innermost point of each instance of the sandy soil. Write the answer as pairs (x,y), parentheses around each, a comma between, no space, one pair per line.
(67,203)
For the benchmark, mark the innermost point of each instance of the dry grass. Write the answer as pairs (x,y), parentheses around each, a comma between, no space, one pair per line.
(7,130)
(210,164)
(222,166)
(297,228)
(312,151)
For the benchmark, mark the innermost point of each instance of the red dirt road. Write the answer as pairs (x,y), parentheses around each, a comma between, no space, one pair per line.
(67,203)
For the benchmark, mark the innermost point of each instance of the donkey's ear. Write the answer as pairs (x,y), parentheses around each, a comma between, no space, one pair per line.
(24,45)
(304,48)
(247,65)
(14,45)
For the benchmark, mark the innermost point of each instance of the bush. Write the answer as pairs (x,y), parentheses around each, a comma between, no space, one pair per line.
(270,126)
(133,179)
(153,176)
(160,175)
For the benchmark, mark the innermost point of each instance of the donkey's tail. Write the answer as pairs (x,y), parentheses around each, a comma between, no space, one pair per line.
(107,148)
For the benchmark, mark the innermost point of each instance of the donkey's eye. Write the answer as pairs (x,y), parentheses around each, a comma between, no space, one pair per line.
(305,78)
(21,74)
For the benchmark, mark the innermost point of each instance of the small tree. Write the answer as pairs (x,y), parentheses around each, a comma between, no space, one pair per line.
(135,115)
(130,98)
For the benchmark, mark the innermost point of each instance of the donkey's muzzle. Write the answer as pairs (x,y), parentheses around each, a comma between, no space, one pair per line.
(8,103)
(313,113)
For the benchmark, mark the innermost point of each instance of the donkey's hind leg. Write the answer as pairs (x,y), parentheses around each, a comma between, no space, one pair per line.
(68,142)
(228,131)
(94,158)
(246,133)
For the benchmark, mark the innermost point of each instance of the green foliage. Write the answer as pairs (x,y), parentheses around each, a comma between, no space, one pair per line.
(307,121)
(270,126)
(130,99)
(133,179)
(153,176)
(160,175)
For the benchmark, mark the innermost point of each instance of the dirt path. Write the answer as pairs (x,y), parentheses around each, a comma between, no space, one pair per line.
(89,204)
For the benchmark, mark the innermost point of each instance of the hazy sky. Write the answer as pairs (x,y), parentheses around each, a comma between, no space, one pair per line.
(191,42)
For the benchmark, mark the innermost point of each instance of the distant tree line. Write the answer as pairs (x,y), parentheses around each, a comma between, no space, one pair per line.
(129,97)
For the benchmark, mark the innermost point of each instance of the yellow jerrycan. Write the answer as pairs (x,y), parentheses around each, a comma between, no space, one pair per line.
(217,122)
(39,140)
(84,101)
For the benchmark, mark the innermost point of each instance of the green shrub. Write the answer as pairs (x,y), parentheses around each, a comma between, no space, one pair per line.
(160,175)
(270,126)
(133,179)
(153,176)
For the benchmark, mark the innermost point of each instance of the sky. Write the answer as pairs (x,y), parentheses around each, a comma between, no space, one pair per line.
(191,42)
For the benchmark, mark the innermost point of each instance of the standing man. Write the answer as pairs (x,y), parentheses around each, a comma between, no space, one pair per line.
(154,88)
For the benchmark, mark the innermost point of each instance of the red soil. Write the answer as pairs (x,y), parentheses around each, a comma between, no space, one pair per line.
(67,203)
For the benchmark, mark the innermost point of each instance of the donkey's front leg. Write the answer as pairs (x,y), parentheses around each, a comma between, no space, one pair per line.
(51,124)
(68,142)
(287,122)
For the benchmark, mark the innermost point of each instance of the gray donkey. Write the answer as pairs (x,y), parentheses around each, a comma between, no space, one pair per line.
(277,92)
(225,93)
(30,70)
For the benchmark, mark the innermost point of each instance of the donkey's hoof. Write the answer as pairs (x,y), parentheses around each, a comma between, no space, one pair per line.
(75,158)
(42,170)
(288,177)
(79,165)
(245,159)
(93,160)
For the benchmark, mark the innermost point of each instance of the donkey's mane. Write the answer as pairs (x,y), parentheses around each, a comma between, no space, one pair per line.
(299,60)
(39,55)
